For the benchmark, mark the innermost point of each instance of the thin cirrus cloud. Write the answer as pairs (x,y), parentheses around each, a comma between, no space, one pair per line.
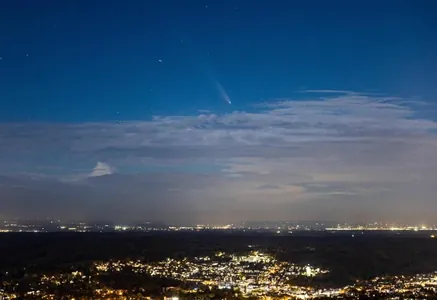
(369,156)
(101,169)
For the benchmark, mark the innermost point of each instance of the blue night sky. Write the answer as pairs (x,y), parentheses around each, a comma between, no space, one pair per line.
(119,109)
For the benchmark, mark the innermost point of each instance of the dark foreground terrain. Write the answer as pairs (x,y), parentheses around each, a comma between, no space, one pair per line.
(348,258)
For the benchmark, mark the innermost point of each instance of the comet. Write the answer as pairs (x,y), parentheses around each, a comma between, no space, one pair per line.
(223,93)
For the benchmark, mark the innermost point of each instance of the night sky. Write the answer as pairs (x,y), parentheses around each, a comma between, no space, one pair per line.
(218,111)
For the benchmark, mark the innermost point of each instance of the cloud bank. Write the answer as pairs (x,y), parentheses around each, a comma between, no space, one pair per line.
(338,156)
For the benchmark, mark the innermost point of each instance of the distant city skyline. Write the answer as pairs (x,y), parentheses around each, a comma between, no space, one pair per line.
(207,112)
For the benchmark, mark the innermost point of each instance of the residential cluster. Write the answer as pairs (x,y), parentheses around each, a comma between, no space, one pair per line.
(420,286)
(254,274)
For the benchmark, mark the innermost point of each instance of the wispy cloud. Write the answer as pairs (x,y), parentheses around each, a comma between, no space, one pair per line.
(101,169)
(356,146)
(329,92)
